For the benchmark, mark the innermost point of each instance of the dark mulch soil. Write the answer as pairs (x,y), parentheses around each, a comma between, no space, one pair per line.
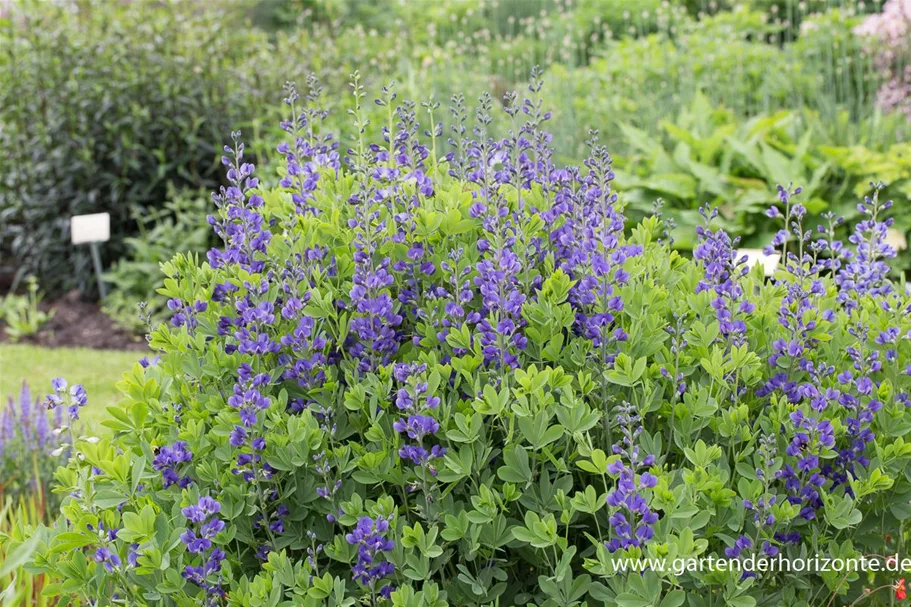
(78,323)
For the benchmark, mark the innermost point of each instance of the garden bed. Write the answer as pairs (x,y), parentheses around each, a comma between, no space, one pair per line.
(77,323)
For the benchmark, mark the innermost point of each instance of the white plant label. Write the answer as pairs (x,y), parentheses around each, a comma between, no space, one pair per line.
(90,228)
(897,239)
(756,256)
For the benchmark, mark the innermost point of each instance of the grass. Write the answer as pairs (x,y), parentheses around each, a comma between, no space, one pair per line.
(97,370)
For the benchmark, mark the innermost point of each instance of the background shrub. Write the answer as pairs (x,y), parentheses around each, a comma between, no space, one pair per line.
(102,106)
(180,225)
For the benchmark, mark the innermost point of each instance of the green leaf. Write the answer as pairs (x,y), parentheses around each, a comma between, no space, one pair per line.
(18,556)
(517,469)
(778,168)
(139,467)
(627,599)
(674,598)
(672,185)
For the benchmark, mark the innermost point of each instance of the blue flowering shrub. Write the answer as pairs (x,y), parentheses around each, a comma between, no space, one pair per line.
(416,379)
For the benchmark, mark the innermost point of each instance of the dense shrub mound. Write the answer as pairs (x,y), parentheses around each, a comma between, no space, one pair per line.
(414,380)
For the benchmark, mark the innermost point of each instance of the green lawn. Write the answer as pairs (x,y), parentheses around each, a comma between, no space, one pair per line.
(97,370)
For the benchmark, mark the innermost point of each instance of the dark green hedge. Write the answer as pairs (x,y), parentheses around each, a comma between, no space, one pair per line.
(102,105)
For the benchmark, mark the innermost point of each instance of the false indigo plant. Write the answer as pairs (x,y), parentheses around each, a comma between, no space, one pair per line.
(413,377)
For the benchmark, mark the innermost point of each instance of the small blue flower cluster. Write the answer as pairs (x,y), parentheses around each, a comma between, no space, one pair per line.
(185,313)
(203,524)
(631,520)
(106,557)
(71,401)
(588,246)
(169,459)
(309,149)
(370,538)
(716,252)
(414,402)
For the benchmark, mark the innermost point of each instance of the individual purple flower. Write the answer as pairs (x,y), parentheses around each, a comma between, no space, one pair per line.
(147,362)
(238,436)
(740,544)
(109,559)
(133,555)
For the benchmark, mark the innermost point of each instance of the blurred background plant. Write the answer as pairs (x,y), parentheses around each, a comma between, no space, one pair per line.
(21,313)
(890,34)
(18,520)
(33,442)
(102,106)
(178,226)
(706,154)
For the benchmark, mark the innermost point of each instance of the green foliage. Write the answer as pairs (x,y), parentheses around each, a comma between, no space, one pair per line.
(706,156)
(18,521)
(738,61)
(102,106)
(21,313)
(180,225)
